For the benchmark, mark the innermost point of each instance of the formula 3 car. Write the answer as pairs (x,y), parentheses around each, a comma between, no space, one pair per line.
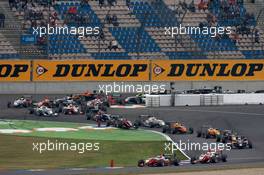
(208,131)
(98,115)
(72,109)
(149,121)
(120,122)
(210,157)
(159,161)
(22,102)
(43,111)
(237,142)
(176,128)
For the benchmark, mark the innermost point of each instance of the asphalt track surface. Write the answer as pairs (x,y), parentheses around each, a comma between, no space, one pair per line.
(245,120)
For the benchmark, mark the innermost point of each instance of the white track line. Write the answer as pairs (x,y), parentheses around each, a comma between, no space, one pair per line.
(170,140)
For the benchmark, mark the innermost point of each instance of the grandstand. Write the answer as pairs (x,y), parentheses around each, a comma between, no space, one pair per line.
(137,30)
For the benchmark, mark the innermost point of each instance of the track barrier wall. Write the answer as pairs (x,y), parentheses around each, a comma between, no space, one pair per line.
(204,99)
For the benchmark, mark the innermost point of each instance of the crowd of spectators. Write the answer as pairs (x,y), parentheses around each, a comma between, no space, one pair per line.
(107,2)
(35,12)
(112,19)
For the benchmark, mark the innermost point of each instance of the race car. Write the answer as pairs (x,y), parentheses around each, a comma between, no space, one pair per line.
(120,122)
(98,115)
(159,161)
(115,99)
(149,121)
(176,128)
(96,104)
(45,102)
(63,101)
(208,131)
(71,109)
(239,142)
(43,111)
(133,100)
(24,101)
(210,157)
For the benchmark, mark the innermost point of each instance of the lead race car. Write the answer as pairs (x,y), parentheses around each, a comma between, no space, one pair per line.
(22,102)
(210,157)
(159,161)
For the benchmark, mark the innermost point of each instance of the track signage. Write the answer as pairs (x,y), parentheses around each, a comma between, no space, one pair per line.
(15,71)
(207,70)
(91,70)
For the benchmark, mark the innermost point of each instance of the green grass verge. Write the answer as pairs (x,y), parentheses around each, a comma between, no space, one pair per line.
(125,147)
(89,134)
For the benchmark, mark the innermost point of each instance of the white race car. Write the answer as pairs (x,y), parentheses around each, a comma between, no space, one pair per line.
(149,121)
(20,102)
(210,157)
(43,111)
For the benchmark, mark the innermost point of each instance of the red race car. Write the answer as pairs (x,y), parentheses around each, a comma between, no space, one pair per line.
(210,157)
(159,161)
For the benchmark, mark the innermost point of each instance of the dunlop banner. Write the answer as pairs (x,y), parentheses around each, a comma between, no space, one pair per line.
(91,70)
(14,71)
(207,70)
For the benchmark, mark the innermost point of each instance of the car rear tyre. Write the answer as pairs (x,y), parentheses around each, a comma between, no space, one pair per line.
(141,163)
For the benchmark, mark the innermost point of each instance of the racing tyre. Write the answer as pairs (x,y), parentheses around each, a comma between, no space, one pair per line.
(191,130)
(9,104)
(174,131)
(218,138)
(164,130)
(151,125)
(138,123)
(207,136)
(193,159)
(141,163)
(213,159)
(108,124)
(250,146)
(31,111)
(176,162)
(224,156)
(199,134)
(224,140)
(161,163)
(135,126)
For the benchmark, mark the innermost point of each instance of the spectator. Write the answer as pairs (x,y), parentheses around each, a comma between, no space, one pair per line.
(256,36)
(192,6)
(108,19)
(111,2)
(184,5)
(101,3)
(72,10)
(2,20)
(115,21)
(128,3)
(202,5)
(113,45)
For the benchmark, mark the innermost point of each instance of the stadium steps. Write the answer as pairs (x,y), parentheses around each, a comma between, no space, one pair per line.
(95,45)
(247,45)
